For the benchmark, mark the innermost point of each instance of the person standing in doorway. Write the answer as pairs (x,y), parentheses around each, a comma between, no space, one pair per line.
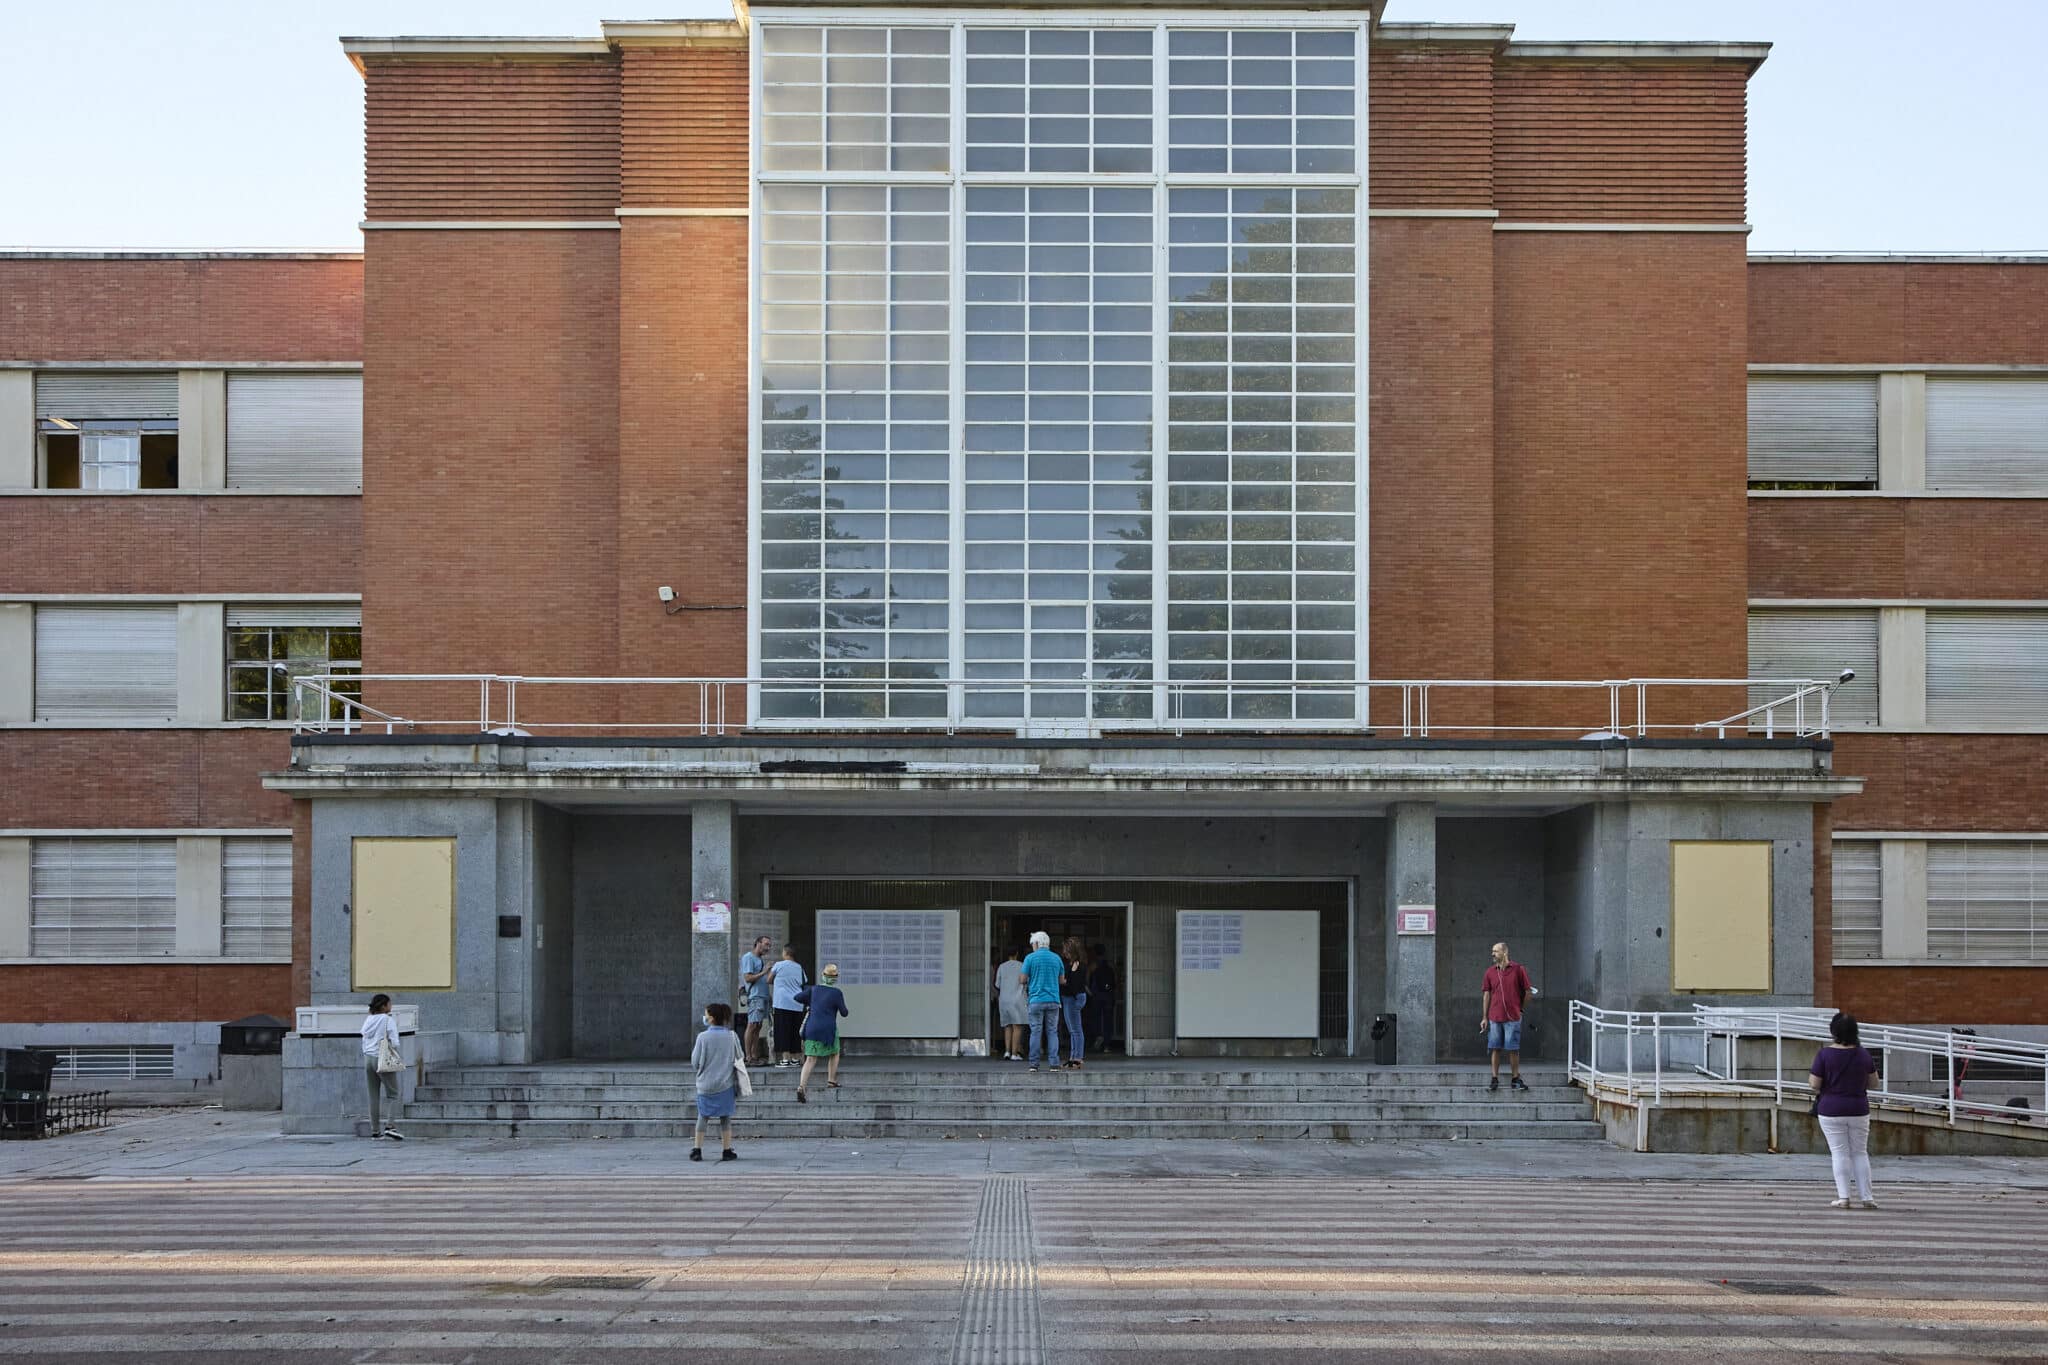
(380,1044)
(787,979)
(1501,999)
(1013,1006)
(716,1058)
(1073,998)
(824,1006)
(1101,997)
(754,995)
(1840,1077)
(1043,973)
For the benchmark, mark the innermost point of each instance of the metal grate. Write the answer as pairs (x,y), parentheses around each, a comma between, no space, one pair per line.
(34,1114)
(143,1061)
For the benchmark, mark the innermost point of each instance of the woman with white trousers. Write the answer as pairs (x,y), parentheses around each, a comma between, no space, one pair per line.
(1840,1077)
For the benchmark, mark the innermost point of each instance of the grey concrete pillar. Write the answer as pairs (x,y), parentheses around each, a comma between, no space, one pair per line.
(714,863)
(1411,957)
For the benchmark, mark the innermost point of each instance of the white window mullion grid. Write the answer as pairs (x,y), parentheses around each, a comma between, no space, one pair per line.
(961,178)
(1165,708)
(957,707)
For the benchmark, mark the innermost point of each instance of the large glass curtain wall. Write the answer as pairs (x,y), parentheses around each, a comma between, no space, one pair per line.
(1060,356)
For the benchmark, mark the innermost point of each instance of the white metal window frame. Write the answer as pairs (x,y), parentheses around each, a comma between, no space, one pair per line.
(1160,21)
(1857,880)
(1962,895)
(119,886)
(256,898)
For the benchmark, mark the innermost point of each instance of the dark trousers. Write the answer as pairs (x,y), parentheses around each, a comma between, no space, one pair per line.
(788,1026)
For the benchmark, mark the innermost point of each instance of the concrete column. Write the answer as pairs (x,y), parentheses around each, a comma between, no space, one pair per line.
(1902,433)
(14,893)
(714,862)
(1902,665)
(17,662)
(1902,882)
(17,429)
(202,661)
(1411,958)
(202,429)
(198,901)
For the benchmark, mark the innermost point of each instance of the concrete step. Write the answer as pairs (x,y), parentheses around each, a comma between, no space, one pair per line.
(892,1070)
(1013,1129)
(1018,1090)
(841,1110)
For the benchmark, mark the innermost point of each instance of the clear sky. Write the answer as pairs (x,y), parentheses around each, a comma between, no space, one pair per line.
(1874,126)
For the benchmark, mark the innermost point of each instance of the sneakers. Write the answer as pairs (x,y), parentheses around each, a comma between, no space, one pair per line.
(1870,1204)
(1034,1066)
(1841,1203)
(1493,1084)
(696,1154)
(1516,1084)
(392,1134)
(730,1155)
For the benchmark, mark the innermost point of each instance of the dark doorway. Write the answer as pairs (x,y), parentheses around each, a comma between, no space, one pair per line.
(1106,926)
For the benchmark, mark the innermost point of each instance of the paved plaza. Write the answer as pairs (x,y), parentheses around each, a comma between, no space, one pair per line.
(194,1235)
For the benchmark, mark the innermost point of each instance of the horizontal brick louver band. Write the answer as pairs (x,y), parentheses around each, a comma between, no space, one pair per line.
(491,140)
(1578,143)
(1432,129)
(683,128)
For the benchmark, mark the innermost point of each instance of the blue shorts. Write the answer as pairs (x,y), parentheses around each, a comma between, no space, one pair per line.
(757,1013)
(1504,1037)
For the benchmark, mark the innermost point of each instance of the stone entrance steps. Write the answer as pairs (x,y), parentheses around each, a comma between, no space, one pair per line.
(886,1098)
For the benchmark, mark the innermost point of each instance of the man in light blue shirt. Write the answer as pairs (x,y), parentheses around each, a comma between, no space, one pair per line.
(1043,972)
(754,996)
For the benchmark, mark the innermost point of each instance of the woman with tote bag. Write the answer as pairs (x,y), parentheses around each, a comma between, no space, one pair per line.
(382,1061)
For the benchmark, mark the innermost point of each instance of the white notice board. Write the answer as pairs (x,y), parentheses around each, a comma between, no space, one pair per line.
(900,970)
(749,925)
(1246,973)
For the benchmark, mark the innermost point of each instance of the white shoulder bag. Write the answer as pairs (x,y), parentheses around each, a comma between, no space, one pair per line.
(388,1058)
(746,1082)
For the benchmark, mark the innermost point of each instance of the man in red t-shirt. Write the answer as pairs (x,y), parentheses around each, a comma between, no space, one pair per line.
(1500,1014)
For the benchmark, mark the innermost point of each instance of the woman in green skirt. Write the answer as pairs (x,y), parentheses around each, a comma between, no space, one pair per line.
(824,1006)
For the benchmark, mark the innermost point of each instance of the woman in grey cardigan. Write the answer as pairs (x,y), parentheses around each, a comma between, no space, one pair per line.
(716,1057)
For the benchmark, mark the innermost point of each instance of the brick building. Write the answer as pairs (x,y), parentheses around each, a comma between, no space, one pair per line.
(1016,438)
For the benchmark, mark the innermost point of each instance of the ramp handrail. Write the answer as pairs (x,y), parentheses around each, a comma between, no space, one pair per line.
(1646,1052)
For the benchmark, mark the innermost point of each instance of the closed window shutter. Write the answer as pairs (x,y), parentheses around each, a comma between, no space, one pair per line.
(284,617)
(1987,900)
(1987,668)
(256,897)
(103,897)
(1859,900)
(1816,644)
(296,431)
(110,396)
(1987,435)
(107,663)
(1813,429)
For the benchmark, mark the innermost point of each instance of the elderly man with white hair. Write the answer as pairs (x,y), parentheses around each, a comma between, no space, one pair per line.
(1043,972)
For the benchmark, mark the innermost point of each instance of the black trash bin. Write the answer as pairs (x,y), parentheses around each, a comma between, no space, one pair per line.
(1384,1028)
(252,1063)
(259,1035)
(25,1091)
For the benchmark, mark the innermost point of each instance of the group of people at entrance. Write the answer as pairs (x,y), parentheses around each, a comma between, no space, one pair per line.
(1043,991)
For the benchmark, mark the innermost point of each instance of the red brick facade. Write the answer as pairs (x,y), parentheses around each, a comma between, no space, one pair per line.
(556,423)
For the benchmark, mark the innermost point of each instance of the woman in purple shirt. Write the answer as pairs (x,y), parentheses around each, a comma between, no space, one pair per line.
(1840,1077)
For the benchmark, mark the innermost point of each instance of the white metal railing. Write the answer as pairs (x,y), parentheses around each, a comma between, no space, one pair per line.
(1614,707)
(1647,1053)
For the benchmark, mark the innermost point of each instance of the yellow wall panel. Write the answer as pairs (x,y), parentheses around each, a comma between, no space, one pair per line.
(403,934)
(1720,916)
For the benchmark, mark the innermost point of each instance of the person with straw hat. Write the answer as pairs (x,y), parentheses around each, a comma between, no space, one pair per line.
(824,1006)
